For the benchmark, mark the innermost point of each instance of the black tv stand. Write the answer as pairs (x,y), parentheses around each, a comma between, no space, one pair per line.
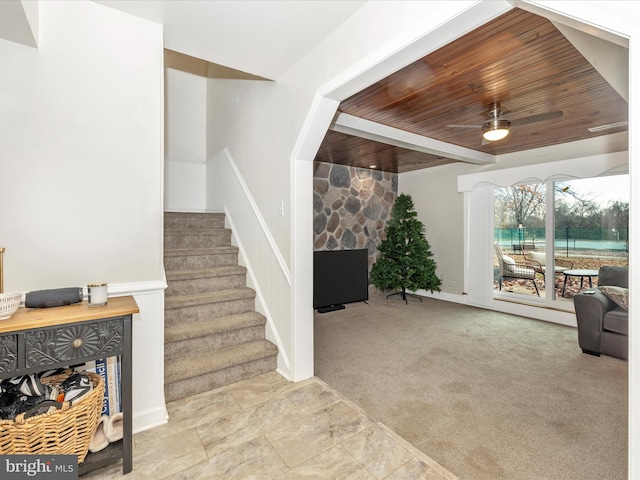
(331,308)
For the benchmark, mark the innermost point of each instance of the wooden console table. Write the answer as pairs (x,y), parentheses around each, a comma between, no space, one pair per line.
(38,339)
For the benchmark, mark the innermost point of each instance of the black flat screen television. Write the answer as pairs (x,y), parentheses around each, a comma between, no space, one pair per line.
(339,277)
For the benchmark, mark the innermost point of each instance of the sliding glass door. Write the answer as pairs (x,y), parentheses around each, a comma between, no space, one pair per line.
(591,229)
(519,234)
(551,238)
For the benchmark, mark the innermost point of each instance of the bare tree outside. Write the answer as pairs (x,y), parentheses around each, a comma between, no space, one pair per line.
(524,205)
(520,205)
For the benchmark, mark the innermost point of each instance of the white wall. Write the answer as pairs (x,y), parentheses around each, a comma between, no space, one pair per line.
(81,150)
(185,141)
(185,188)
(81,167)
(252,120)
(440,208)
(19,22)
(185,115)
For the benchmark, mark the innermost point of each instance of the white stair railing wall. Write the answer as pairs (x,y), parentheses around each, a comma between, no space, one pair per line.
(268,274)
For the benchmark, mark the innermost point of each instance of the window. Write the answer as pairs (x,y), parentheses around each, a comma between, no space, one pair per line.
(556,235)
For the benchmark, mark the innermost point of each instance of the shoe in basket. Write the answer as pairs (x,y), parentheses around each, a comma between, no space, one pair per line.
(47,403)
(25,384)
(77,387)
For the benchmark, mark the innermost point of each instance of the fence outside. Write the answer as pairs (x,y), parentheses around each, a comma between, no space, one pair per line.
(567,240)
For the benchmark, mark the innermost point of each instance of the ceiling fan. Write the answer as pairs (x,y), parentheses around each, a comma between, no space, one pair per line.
(497,127)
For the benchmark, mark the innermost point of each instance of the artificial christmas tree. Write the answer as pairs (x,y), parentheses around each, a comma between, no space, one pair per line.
(405,261)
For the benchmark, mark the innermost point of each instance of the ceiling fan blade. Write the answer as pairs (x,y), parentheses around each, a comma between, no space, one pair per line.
(536,118)
(464,126)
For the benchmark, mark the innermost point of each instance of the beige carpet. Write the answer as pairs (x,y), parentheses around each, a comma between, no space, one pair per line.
(487,395)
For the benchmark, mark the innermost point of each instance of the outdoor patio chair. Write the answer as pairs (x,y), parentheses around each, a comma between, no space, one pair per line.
(509,268)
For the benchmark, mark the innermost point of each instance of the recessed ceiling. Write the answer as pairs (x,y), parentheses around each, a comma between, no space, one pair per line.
(359,152)
(520,60)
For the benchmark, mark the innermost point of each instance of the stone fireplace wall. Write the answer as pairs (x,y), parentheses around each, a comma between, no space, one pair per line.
(351,207)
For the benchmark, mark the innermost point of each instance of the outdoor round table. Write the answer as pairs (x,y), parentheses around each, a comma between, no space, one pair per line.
(579,273)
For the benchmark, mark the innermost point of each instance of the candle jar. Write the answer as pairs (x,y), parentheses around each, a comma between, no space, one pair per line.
(97,294)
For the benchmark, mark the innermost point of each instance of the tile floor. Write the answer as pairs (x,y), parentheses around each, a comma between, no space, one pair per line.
(268,428)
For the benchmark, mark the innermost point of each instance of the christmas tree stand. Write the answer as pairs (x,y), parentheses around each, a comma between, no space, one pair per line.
(404,295)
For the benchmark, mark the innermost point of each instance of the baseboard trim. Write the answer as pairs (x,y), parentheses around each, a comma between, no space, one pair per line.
(136,288)
(546,314)
(283,374)
(150,419)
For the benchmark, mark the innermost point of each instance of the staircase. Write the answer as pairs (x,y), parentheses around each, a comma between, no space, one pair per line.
(213,335)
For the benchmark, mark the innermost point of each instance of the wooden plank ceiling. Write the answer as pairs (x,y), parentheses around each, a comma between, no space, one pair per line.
(519,59)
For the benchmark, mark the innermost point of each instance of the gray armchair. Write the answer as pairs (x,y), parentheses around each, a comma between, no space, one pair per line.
(603,326)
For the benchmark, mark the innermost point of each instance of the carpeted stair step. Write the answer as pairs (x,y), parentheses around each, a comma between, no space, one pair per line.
(193,258)
(179,220)
(219,303)
(193,374)
(197,238)
(213,335)
(182,339)
(184,282)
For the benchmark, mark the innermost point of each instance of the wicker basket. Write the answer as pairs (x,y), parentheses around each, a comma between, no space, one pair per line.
(9,303)
(67,431)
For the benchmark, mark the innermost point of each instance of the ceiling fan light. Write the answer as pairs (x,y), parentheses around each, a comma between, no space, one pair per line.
(495,129)
(495,134)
